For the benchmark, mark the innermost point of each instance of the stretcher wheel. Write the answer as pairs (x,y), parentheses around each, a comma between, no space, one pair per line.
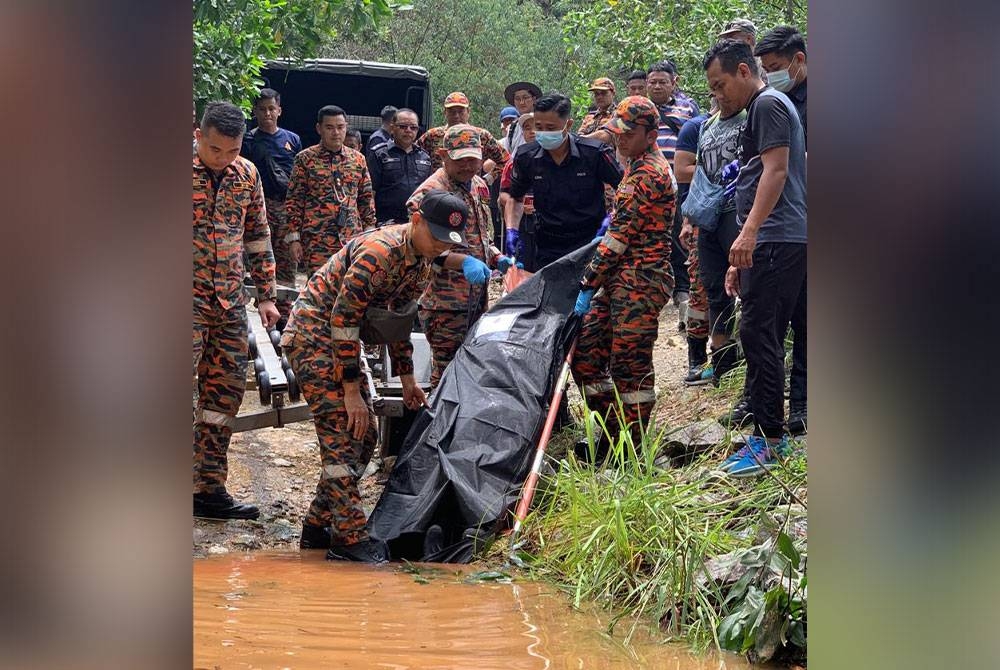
(264,386)
(293,385)
(252,343)
(275,340)
(258,365)
(285,365)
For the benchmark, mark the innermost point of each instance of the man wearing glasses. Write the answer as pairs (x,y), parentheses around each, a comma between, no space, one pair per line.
(397,168)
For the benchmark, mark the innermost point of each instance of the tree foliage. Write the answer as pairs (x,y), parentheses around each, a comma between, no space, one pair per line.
(614,37)
(473,46)
(234,38)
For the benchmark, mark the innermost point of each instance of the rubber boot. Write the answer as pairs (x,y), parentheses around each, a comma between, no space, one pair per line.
(699,372)
(222,506)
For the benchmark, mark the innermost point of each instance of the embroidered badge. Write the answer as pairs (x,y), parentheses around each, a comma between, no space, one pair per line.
(455,237)
(378,277)
(455,218)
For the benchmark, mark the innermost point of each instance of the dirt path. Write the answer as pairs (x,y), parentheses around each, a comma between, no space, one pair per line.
(277,468)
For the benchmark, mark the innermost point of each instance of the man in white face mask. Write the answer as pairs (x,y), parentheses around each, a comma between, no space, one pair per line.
(566,174)
(782,52)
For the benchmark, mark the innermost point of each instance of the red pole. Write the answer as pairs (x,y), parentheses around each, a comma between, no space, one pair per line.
(528,491)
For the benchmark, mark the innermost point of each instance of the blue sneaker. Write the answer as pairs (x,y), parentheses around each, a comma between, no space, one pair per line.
(755,457)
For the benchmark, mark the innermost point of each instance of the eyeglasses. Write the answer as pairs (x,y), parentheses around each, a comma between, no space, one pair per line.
(523,98)
(407,126)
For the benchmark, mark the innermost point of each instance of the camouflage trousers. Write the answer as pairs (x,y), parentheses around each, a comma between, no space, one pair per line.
(337,502)
(219,362)
(317,250)
(697,316)
(615,348)
(284,265)
(446,331)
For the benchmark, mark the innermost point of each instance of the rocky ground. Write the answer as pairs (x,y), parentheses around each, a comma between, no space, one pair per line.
(277,468)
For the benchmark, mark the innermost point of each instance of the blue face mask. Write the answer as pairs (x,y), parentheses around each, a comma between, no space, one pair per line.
(550,139)
(780,80)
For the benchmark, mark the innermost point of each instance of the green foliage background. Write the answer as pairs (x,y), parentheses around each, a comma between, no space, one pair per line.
(476,46)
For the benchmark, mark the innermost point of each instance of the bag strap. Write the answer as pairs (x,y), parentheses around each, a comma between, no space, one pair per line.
(697,151)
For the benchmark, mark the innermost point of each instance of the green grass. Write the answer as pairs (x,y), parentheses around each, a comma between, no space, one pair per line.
(636,538)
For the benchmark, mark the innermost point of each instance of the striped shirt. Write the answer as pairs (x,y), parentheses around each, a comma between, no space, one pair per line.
(676,111)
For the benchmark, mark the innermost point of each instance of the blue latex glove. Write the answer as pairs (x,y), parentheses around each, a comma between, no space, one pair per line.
(513,238)
(583,301)
(504,263)
(604,227)
(731,171)
(730,189)
(475,271)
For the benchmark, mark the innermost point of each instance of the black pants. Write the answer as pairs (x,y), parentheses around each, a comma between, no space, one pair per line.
(678,256)
(797,397)
(713,261)
(769,290)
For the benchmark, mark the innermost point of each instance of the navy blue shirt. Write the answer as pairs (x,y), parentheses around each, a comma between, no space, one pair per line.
(569,198)
(798,97)
(273,155)
(773,122)
(395,176)
(687,140)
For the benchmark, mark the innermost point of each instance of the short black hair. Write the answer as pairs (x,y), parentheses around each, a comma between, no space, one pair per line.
(268,94)
(637,74)
(665,65)
(388,114)
(329,110)
(407,110)
(225,117)
(730,54)
(554,101)
(785,41)
(354,132)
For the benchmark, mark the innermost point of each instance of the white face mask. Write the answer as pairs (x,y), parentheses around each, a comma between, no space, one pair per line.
(781,80)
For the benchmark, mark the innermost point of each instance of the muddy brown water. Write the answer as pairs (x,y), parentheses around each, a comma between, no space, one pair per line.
(296,610)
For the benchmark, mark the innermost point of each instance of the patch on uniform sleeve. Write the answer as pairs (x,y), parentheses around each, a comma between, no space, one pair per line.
(379,277)
(626,189)
(240,186)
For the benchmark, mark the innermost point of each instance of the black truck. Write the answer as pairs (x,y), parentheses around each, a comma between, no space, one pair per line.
(361,88)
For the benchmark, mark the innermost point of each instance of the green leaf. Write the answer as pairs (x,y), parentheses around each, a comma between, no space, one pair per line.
(787,548)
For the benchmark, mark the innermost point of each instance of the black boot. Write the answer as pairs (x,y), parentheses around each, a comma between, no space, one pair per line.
(366,551)
(699,372)
(724,359)
(739,416)
(314,537)
(222,506)
(797,424)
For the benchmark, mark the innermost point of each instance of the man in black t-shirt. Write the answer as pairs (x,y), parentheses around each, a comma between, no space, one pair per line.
(768,257)
(782,51)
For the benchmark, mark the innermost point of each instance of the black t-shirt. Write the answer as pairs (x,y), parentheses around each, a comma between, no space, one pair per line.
(569,198)
(273,156)
(798,97)
(395,176)
(772,122)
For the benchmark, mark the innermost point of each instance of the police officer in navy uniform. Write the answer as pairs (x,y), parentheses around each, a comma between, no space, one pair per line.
(567,174)
(397,168)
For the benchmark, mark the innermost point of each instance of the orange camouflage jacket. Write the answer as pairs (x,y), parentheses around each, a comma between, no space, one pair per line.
(384,271)
(321,183)
(229,220)
(431,141)
(449,289)
(638,237)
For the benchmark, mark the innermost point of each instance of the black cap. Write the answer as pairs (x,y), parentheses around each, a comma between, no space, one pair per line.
(446,215)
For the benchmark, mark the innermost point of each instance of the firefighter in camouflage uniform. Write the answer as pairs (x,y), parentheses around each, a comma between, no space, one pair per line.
(387,267)
(450,305)
(330,198)
(456,111)
(229,220)
(631,266)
